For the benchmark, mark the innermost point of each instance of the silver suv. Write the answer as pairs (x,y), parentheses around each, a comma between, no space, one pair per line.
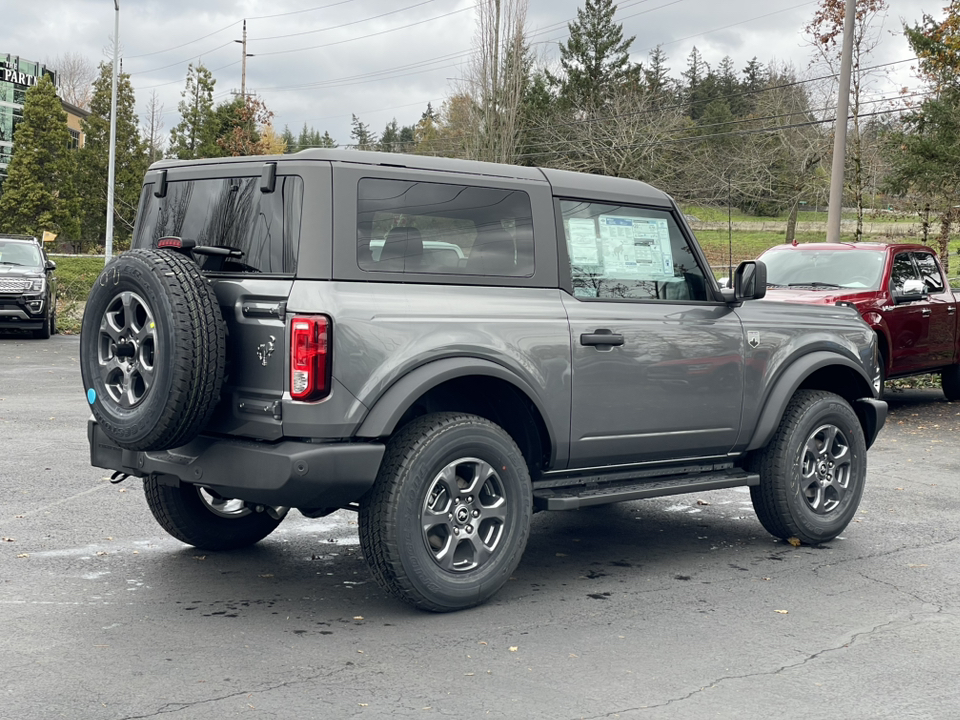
(447,347)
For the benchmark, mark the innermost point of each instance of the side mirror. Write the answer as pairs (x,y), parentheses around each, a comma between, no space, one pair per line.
(49,265)
(749,282)
(913,290)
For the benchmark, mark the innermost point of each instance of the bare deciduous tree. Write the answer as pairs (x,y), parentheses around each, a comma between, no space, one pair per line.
(153,129)
(75,75)
(495,80)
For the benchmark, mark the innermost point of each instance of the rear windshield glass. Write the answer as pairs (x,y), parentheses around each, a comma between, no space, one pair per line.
(420,227)
(230,213)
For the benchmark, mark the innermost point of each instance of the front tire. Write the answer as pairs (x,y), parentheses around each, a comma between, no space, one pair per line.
(199,517)
(950,382)
(49,325)
(447,520)
(812,471)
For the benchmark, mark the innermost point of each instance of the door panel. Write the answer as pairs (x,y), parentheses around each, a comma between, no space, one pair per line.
(672,389)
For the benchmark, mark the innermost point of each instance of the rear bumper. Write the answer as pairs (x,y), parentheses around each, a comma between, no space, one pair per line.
(287,473)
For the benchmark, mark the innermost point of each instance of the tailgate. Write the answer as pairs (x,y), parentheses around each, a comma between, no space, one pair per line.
(255,377)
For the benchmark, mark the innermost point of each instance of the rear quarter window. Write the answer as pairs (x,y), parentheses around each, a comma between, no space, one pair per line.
(231,213)
(422,227)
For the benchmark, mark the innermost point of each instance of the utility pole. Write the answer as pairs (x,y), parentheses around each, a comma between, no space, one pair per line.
(111,170)
(840,133)
(243,65)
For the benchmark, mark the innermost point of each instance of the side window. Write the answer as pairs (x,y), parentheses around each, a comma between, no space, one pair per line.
(902,270)
(929,272)
(622,252)
(421,227)
(229,212)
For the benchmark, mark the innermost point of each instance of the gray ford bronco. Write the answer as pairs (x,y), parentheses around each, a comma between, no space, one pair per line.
(446,347)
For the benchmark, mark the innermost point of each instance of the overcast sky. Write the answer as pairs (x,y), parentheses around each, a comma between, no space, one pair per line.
(318,61)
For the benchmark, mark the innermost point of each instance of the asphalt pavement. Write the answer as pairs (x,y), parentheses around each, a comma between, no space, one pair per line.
(674,608)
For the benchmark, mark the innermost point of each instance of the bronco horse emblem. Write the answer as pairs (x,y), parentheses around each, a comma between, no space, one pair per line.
(265,350)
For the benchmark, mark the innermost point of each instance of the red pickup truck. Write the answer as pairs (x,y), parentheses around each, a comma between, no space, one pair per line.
(900,290)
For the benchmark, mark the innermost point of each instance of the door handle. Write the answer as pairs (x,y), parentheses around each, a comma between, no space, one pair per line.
(951,310)
(926,312)
(601,337)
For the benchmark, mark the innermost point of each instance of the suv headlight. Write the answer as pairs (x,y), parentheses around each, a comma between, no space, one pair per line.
(37,284)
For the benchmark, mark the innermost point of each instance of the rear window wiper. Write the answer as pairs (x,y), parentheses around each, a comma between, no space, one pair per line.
(217,250)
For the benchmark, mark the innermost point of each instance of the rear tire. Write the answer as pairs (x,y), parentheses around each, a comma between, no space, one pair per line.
(200,518)
(812,471)
(447,520)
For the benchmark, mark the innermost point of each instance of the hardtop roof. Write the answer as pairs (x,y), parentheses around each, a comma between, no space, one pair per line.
(564,182)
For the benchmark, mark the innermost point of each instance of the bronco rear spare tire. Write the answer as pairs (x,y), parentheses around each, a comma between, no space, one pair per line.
(152,350)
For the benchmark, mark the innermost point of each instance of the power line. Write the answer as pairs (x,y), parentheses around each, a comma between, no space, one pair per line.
(334,27)
(337,27)
(370,35)
(227,27)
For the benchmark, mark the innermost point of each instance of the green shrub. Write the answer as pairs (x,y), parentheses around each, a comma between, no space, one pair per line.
(75,277)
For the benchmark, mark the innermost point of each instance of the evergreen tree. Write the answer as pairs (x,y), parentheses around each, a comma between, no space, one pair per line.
(36,192)
(326,141)
(363,138)
(656,74)
(427,130)
(407,138)
(196,134)
(925,153)
(94,160)
(595,60)
(288,139)
(241,124)
(305,140)
(390,138)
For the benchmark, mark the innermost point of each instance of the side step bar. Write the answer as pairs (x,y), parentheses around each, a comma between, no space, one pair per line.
(573,497)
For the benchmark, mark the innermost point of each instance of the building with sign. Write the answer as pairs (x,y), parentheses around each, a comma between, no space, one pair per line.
(16,77)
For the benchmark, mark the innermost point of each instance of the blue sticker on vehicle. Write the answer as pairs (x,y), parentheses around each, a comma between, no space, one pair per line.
(91,396)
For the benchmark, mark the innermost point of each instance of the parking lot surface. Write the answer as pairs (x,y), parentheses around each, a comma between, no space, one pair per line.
(679,607)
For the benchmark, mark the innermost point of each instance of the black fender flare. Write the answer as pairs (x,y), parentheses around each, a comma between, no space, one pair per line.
(786,385)
(391,405)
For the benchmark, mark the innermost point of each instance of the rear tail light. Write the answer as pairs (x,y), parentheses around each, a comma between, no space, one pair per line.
(310,358)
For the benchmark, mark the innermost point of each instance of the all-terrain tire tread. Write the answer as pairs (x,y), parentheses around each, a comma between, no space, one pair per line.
(198,354)
(179,511)
(770,501)
(381,552)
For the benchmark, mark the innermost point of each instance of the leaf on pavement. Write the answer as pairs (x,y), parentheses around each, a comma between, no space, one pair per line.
(794,541)
(782,612)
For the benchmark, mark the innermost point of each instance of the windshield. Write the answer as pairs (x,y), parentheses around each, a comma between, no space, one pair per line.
(18,253)
(851,269)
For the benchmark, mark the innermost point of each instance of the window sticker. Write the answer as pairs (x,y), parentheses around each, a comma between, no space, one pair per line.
(637,245)
(583,241)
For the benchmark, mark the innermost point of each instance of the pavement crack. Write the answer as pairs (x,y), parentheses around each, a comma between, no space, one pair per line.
(178,707)
(783,668)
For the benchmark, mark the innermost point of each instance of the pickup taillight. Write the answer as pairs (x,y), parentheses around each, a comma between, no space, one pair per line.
(310,357)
